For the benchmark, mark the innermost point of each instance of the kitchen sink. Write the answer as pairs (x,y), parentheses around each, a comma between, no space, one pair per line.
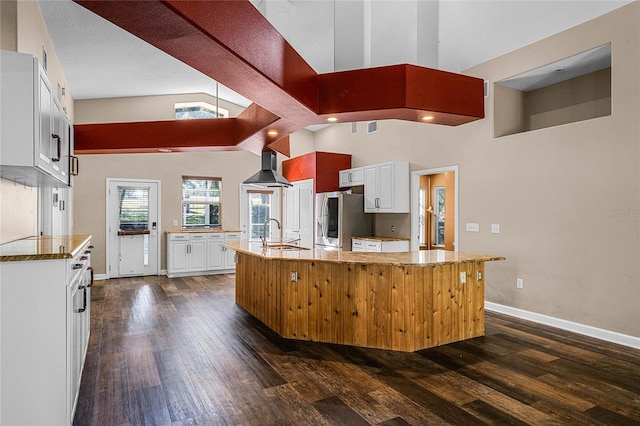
(288,247)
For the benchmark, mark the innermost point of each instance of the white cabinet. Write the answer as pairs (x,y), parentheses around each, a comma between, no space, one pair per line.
(230,255)
(215,252)
(298,213)
(386,187)
(191,253)
(35,148)
(186,252)
(352,177)
(45,319)
(379,245)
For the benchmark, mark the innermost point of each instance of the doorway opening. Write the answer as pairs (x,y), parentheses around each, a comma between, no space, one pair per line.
(434,209)
(133,223)
(257,205)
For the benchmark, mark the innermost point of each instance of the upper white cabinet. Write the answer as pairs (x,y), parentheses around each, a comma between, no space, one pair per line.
(352,177)
(386,187)
(35,148)
(298,213)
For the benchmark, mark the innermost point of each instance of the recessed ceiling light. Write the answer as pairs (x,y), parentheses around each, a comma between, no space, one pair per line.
(272,133)
(164,150)
(428,118)
(332,119)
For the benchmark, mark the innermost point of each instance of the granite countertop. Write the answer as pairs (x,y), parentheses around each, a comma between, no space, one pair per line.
(43,248)
(418,258)
(200,231)
(380,238)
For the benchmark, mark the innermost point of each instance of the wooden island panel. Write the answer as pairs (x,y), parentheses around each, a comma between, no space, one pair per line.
(398,307)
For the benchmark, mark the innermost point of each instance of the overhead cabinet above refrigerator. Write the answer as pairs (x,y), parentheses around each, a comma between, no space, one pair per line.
(36,147)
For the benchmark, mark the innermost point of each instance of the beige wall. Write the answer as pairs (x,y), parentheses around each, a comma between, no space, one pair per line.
(24,30)
(567,198)
(141,108)
(90,189)
(18,211)
(9,25)
(32,37)
(581,98)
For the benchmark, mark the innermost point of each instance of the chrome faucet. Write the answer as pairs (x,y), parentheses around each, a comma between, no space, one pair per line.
(264,231)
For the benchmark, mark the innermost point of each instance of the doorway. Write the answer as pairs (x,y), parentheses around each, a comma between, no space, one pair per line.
(434,209)
(133,224)
(257,205)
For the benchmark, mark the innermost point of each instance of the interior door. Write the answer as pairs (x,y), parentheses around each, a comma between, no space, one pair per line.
(133,224)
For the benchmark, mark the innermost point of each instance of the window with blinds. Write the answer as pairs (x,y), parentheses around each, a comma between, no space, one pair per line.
(134,208)
(201,202)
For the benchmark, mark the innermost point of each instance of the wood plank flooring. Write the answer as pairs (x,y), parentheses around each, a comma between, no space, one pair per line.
(179,351)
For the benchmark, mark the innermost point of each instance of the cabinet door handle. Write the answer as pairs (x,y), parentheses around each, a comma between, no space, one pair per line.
(59,149)
(84,298)
(74,167)
(90,269)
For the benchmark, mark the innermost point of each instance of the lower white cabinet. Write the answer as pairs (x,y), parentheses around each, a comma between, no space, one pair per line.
(379,245)
(191,253)
(45,310)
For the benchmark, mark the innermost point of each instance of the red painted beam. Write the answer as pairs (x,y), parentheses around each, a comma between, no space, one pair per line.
(406,92)
(154,136)
(231,42)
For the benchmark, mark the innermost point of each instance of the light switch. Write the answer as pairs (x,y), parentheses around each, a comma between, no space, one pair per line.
(473,227)
(175,223)
(495,228)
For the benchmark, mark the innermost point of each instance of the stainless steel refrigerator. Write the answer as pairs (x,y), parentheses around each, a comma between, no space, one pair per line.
(340,216)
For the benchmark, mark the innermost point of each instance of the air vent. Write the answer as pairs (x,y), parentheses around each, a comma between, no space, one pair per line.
(486,88)
(372,127)
(354,128)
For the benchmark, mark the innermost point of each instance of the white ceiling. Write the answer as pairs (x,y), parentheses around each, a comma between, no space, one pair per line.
(101,60)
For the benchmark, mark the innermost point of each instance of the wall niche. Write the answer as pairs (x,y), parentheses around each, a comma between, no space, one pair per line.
(573,89)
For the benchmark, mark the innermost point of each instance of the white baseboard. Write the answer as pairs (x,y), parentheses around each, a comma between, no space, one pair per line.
(104,276)
(587,330)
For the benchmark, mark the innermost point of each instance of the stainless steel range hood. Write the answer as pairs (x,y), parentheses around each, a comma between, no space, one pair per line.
(268,176)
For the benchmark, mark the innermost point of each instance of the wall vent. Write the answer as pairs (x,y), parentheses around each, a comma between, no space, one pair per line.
(354,128)
(372,127)
(486,88)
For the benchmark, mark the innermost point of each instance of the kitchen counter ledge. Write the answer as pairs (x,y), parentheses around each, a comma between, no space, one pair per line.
(42,248)
(415,258)
(200,231)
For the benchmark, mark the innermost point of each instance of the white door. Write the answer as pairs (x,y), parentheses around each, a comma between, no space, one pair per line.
(257,205)
(133,224)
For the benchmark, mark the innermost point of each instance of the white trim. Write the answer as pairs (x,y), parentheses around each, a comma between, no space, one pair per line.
(100,277)
(587,330)
(415,214)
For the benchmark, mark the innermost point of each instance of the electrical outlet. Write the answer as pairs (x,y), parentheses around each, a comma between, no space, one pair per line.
(479,275)
(294,277)
(175,223)
(463,277)
(393,228)
(495,228)
(519,283)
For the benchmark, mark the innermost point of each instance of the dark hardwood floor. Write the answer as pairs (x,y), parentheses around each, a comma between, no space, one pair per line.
(179,351)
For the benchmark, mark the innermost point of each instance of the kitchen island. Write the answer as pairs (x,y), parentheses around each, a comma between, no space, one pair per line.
(400,301)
